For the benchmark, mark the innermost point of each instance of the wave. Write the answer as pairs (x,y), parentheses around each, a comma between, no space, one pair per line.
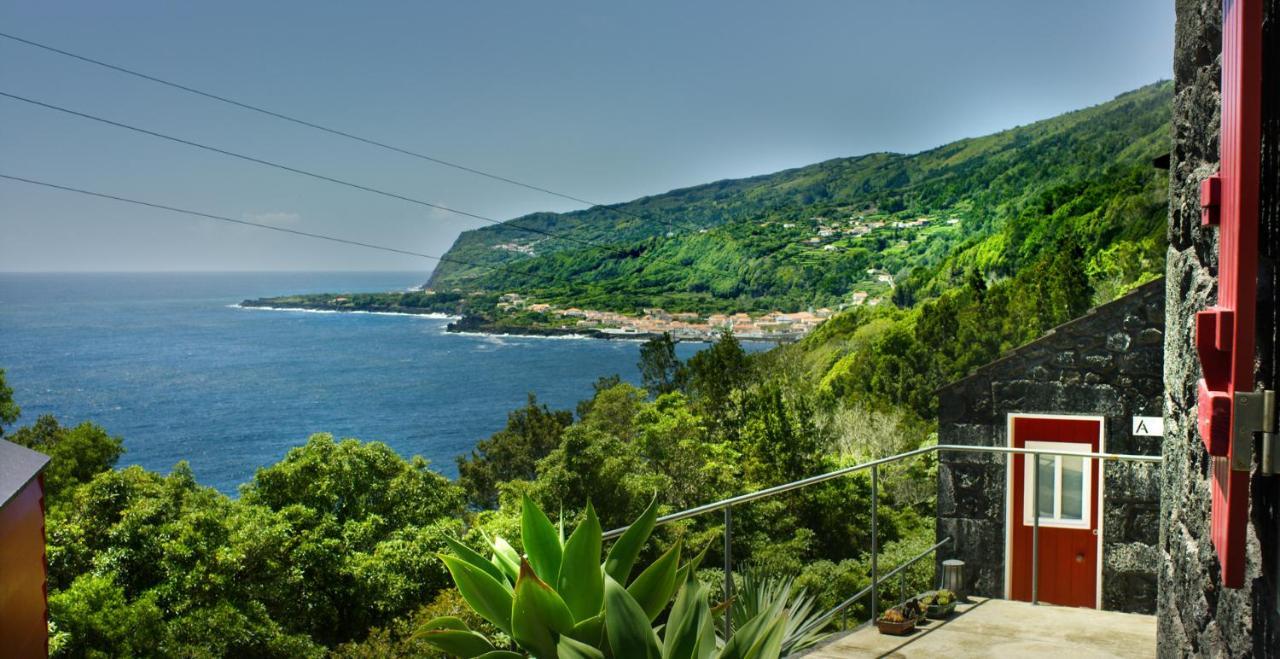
(491,336)
(429,316)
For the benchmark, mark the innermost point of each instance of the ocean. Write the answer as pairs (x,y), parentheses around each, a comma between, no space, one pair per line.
(168,362)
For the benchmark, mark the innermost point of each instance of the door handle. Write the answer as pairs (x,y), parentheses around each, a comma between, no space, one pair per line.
(1080,557)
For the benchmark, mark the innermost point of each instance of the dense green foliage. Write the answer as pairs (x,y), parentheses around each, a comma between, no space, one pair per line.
(335,539)
(9,410)
(532,432)
(77,453)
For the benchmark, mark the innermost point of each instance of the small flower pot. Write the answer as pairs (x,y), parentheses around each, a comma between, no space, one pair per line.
(941,611)
(895,628)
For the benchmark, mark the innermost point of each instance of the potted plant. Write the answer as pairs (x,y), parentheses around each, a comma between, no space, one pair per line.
(895,621)
(912,608)
(939,604)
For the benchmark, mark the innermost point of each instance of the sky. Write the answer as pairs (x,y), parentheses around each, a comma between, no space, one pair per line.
(602,101)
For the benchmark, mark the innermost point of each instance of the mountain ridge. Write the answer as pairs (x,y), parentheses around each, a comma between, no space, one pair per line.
(729,252)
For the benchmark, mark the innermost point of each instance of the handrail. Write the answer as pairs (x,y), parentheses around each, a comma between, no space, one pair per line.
(844,471)
(826,617)
(876,578)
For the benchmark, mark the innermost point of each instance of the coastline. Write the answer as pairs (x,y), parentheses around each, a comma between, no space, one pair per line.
(471,326)
(431,315)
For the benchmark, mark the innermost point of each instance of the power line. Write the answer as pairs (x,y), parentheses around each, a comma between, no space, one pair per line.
(260,225)
(332,131)
(304,172)
(594,245)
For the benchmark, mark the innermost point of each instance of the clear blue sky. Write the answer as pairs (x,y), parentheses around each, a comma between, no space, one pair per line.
(603,100)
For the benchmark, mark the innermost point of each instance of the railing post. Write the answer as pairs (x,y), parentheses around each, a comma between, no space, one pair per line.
(1035,530)
(902,587)
(728,571)
(875,539)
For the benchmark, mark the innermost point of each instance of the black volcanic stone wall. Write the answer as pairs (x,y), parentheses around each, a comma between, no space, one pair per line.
(1196,615)
(1106,363)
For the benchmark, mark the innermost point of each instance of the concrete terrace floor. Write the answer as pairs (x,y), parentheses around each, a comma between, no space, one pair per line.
(1000,628)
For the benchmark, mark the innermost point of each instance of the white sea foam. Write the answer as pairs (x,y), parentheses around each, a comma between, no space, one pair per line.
(429,316)
(496,337)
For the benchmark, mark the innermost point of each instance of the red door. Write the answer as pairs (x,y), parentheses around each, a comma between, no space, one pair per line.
(1069,488)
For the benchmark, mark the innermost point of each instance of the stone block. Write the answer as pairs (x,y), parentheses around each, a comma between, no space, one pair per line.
(1118,342)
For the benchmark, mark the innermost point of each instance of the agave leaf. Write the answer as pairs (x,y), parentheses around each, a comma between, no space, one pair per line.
(689,570)
(465,644)
(682,575)
(769,645)
(627,626)
(568,648)
(623,553)
(541,541)
(654,587)
(489,598)
(538,615)
(591,630)
(761,637)
(689,632)
(506,558)
(467,554)
(444,622)
(501,654)
(581,580)
(696,562)
(760,592)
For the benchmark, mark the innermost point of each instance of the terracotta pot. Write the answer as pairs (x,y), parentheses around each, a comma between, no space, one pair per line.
(895,628)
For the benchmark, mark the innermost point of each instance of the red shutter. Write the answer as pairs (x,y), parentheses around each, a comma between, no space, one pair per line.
(1225,332)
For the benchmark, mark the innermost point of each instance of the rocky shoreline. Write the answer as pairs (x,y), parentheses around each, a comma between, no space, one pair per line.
(478,325)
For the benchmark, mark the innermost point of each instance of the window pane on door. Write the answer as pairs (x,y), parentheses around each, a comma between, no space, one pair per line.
(1072,488)
(1045,482)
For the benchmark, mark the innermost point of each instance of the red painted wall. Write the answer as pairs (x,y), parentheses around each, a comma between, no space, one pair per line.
(23,611)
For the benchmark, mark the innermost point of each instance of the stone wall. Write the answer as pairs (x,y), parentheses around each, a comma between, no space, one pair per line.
(1196,615)
(1107,363)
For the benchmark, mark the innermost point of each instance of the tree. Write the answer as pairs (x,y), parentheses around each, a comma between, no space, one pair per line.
(76,454)
(661,371)
(335,539)
(9,410)
(593,465)
(716,371)
(354,481)
(512,453)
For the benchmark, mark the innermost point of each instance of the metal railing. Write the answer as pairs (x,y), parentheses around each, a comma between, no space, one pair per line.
(728,504)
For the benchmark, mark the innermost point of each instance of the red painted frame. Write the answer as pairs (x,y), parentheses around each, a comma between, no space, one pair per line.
(1225,332)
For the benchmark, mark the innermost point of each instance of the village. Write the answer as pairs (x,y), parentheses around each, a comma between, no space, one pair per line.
(818,233)
(685,326)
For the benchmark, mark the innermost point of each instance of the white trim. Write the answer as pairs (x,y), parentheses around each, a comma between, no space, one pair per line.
(1056,521)
(1008,491)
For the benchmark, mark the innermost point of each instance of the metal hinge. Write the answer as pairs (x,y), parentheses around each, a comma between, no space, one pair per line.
(1255,412)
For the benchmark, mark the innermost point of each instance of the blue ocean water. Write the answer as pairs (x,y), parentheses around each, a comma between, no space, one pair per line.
(169,363)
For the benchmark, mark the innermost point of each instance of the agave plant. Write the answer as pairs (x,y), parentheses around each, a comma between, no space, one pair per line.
(561,600)
(760,593)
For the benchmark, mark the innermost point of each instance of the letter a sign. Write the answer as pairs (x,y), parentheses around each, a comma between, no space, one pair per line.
(1148,426)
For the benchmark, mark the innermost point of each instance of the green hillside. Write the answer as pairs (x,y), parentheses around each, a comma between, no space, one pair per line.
(807,237)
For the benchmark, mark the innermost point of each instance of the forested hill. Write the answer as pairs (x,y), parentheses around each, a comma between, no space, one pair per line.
(808,236)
